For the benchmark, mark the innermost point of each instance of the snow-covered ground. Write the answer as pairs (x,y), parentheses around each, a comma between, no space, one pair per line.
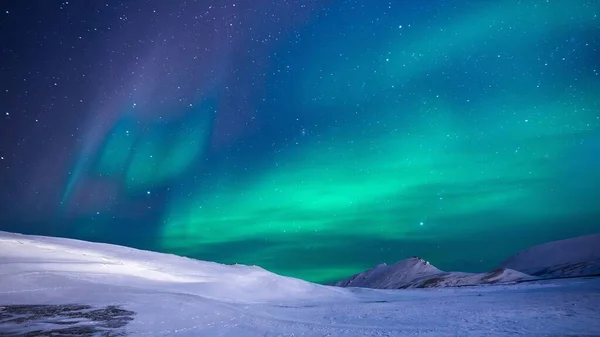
(93,289)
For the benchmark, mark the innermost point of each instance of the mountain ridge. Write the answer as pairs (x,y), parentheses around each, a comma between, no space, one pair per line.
(577,256)
(573,257)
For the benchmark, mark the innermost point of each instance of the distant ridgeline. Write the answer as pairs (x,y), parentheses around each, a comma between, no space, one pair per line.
(575,257)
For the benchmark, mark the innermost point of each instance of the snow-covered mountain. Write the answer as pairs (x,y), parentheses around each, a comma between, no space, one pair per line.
(573,257)
(61,287)
(384,276)
(579,256)
(415,272)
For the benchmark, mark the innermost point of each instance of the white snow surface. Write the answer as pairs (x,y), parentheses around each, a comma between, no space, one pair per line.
(579,256)
(175,296)
(417,273)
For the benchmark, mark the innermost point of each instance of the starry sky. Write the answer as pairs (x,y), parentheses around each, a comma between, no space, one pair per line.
(314,138)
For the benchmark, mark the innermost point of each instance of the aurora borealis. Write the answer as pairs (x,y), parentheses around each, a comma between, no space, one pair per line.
(312,138)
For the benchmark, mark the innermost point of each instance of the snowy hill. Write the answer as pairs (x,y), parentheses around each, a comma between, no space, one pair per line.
(109,264)
(415,272)
(61,287)
(393,276)
(577,256)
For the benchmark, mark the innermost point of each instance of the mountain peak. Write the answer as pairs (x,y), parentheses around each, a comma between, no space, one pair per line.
(413,262)
(416,258)
(387,276)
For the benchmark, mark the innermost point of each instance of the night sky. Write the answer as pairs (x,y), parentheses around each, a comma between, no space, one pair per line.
(314,138)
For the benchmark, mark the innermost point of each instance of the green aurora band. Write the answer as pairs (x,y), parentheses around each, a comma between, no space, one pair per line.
(152,154)
(398,175)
